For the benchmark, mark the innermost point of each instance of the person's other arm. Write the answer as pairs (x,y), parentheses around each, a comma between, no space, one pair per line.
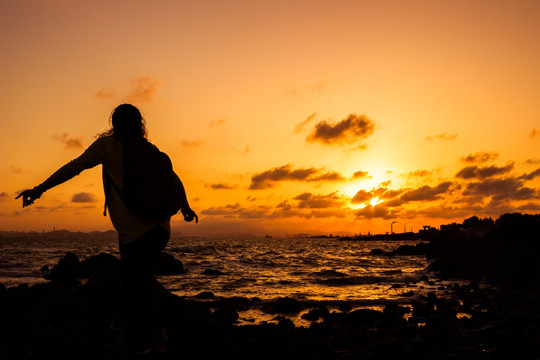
(188,213)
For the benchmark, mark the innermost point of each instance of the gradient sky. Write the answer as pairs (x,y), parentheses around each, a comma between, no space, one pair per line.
(281,117)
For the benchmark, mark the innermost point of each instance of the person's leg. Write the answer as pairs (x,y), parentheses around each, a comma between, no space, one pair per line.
(136,258)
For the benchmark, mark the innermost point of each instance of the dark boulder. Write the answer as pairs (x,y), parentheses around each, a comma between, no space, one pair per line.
(284,305)
(166,264)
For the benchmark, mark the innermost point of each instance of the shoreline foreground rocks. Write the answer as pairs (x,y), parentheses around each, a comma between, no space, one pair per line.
(70,319)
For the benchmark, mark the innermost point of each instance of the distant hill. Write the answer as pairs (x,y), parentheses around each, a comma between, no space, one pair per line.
(59,234)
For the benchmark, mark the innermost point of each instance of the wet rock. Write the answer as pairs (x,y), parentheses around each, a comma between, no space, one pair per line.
(364,316)
(103,263)
(226,313)
(212,272)
(166,264)
(422,309)
(205,295)
(284,305)
(344,307)
(67,270)
(316,314)
(377,252)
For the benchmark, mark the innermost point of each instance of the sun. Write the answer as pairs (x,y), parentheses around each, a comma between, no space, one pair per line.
(374,201)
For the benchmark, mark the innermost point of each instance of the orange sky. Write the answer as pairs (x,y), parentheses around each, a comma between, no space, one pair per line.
(281,117)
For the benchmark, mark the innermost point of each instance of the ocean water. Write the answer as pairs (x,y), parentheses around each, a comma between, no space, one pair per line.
(322,269)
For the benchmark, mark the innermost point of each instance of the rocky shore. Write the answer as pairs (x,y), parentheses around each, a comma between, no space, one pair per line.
(70,316)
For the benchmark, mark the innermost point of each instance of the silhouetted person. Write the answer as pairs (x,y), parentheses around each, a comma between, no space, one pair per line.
(141,240)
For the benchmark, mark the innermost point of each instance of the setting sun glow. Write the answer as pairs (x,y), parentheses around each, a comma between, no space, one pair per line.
(281,117)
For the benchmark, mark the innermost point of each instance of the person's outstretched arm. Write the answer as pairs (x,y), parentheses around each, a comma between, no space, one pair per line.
(73,168)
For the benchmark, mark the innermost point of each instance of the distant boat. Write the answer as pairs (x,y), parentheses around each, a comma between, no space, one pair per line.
(268,236)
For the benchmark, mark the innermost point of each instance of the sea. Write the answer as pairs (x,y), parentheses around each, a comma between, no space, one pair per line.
(319,269)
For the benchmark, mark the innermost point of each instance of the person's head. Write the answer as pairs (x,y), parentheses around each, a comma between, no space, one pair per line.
(127,123)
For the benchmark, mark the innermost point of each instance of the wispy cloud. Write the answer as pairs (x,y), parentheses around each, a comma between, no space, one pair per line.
(268,178)
(308,200)
(534,133)
(4,196)
(142,89)
(83,197)
(427,193)
(301,126)
(222,186)
(69,142)
(471,172)
(361,175)
(350,130)
(442,136)
(480,157)
(106,93)
(531,175)
(191,143)
(217,122)
(420,173)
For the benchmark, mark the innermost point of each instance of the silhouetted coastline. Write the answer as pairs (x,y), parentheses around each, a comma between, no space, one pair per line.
(69,318)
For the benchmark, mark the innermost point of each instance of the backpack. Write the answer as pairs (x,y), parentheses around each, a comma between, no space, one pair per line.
(152,190)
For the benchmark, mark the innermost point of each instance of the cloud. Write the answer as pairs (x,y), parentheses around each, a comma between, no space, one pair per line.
(4,196)
(471,172)
(221,186)
(361,174)
(371,212)
(142,89)
(83,197)
(361,196)
(531,175)
(69,142)
(191,143)
(308,200)
(490,187)
(442,136)
(533,161)
(330,176)
(479,157)
(267,178)
(420,173)
(106,93)
(426,193)
(349,130)
(301,126)
(534,133)
(217,122)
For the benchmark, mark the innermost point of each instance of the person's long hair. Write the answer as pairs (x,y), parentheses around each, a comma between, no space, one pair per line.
(127,124)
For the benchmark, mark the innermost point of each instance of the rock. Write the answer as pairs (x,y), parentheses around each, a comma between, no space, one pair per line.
(315,314)
(101,263)
(284,305)
(166,264)
(205,295)
(378,252)
(226,313)
(364,316)
(212,272)
(67,270)
(344,307)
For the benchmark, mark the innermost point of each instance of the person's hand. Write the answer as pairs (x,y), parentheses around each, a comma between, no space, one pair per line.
(189,215)
(28,196)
